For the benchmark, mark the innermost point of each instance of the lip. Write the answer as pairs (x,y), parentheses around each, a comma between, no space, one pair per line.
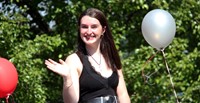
(89,37)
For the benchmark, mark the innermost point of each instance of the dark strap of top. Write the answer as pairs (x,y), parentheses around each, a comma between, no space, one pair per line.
(90,70)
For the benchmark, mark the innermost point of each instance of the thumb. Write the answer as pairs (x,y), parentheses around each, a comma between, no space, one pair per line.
(61,61)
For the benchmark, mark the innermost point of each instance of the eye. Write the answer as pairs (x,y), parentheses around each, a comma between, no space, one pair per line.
(94,26)
(84,26)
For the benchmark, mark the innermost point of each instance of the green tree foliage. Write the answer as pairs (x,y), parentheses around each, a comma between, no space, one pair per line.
(32,31)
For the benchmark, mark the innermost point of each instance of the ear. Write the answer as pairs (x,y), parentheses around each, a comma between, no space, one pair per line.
(104,30)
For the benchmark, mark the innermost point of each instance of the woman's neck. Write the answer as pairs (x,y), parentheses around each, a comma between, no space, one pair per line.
(93,50)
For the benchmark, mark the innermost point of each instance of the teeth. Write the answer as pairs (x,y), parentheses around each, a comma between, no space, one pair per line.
(88,36)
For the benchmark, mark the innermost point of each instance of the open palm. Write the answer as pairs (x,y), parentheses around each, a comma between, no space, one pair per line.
(60,68)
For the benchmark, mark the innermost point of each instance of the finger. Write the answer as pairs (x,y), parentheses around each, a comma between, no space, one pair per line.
(47,62)
(49,65)
(52,68)
(53,62)
(61,61)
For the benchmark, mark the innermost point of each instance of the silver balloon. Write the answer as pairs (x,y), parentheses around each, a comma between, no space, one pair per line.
(158,28)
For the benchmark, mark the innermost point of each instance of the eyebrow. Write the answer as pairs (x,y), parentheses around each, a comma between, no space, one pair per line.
(92,24)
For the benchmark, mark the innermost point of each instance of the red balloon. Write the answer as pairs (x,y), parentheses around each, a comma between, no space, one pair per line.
(8,78)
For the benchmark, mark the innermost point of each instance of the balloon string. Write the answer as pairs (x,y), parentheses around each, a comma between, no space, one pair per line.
(145,77)
(7,98)
(170,75)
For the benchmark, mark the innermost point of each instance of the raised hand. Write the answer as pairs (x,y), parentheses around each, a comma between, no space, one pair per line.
(60,68)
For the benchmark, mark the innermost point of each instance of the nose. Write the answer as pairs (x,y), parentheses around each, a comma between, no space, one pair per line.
(89,31)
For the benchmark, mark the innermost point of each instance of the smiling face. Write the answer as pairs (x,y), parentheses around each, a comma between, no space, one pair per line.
(90,30)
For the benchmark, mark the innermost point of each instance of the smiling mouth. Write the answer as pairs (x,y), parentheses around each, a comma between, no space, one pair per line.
(88,37)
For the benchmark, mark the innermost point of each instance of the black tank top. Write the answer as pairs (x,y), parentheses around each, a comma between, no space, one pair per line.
(93,84)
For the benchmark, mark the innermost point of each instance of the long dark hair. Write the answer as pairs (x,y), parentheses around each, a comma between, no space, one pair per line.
(107,46)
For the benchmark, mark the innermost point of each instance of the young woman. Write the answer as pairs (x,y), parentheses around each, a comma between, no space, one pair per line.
(93,73)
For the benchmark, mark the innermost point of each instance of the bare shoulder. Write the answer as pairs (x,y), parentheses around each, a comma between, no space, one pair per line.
(72,57)
(120,73)
(74,62)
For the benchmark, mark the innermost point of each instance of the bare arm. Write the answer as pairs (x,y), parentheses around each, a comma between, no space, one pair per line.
(122,90)
(71,85)
(68,70)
